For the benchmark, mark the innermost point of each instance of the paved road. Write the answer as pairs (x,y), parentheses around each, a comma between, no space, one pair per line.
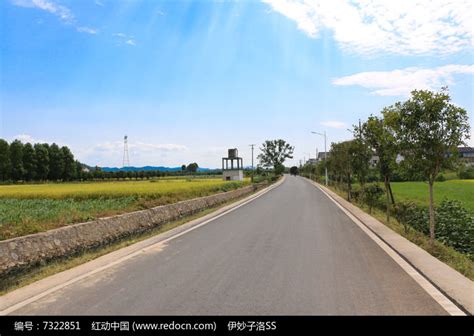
(291,251)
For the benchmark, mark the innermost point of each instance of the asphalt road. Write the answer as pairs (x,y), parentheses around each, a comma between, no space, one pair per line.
(291,251)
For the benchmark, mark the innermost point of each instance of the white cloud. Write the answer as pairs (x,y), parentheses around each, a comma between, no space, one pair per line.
(402,81)
(60,11)
(408,27)
(87,30)
(141,153)
(124,39)
(334,124)
(99,3)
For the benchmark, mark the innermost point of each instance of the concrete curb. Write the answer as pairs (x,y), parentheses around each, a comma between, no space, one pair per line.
(30,293)
(450,282)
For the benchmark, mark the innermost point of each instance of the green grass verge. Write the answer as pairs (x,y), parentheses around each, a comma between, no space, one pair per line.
(446,254)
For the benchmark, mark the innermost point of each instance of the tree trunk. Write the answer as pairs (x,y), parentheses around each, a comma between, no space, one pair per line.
(349,188)
(391,194)
(432,214)
(387,193)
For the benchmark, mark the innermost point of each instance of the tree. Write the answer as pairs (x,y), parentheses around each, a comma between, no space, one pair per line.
(192,167)
(274,153)
(379,135)
(16,160)
(5,164)
(360,160)
(79,170)
(183,168)
(430,127)
(294,170)
(42,161)
(340,164)
(29,162)
(56,163)
(69,170)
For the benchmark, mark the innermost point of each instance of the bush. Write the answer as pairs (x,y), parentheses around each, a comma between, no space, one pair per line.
(455,226)
(466,173)
(371,195)
(440,178)
(412,215)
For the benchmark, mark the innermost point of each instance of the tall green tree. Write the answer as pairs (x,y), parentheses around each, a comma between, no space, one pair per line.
(69,170)
(430,129)
(79,168)
(29,162)
(56,163)
(192,167)
(360,161)
(274,153)
(16,159)
(339,163)
(42,161)
(379,135)
(5,164)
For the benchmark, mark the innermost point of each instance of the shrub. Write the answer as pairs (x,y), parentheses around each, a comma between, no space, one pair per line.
(371,195)
(440,178)
(411,215)
(466,173)
(455,226)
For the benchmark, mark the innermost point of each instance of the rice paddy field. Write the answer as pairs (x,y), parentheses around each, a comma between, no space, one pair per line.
(26,209)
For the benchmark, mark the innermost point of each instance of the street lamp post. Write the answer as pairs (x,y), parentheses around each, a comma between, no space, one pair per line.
(251,176)
(325,156)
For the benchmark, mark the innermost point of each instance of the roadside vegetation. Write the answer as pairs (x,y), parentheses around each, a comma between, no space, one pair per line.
(414,143)
(26,209)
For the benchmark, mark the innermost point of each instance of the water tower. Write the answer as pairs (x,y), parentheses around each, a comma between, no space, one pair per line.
(232,166)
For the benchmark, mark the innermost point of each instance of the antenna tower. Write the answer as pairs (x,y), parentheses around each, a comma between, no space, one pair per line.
(126,160)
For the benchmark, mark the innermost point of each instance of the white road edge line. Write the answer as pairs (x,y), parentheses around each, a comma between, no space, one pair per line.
(133,254)
(434,292)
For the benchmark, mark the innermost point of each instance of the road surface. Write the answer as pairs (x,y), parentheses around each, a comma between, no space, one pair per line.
(291,251)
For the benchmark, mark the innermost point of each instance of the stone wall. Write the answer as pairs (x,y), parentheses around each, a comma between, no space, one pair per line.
(23,252)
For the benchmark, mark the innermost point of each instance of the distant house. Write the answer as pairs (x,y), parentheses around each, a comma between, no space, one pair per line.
(321,156)
(466,154)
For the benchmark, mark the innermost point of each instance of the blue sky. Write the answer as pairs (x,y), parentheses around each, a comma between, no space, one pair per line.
(185,80)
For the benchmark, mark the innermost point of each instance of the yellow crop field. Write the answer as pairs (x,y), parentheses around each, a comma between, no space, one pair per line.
(26,209)
(150,189)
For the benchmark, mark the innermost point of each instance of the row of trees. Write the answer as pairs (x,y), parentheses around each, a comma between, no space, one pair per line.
(424,132)
(37,162)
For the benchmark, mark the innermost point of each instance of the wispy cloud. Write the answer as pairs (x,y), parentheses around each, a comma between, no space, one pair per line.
(87,30)
(334,124)
(124,39)
(99,3)
(60,11)
(402,81)
(408,27)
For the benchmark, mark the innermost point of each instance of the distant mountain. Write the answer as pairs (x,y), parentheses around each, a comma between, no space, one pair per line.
(148,168)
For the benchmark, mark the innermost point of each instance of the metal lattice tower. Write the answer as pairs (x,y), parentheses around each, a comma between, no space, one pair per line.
(126,159)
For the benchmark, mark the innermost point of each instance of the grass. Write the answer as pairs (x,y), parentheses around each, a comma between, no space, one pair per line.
(461,190)
(26,209)
(460,262)
(13,281)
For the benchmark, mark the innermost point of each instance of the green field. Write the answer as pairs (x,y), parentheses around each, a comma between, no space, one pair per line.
(26,209)
(461,190)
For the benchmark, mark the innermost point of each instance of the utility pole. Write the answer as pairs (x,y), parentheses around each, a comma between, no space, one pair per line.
(325,155)
(251,176)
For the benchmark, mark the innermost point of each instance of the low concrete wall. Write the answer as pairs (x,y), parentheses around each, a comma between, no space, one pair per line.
(27,251)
